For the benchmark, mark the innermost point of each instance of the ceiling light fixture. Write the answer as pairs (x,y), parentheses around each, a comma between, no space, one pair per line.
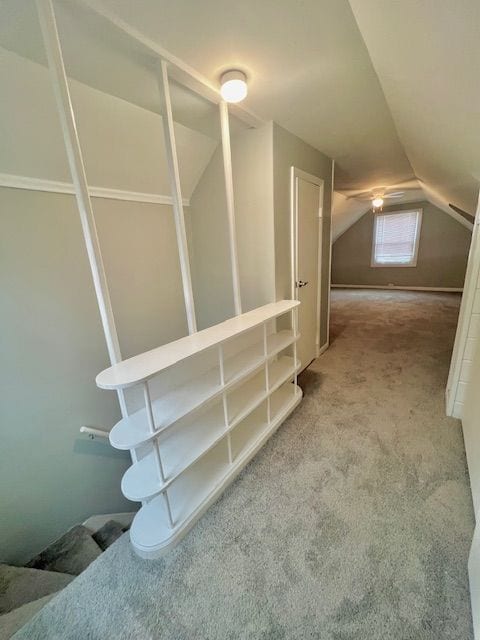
(377,202)
(233,86)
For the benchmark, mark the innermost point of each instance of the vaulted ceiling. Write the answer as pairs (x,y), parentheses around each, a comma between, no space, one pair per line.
(389,89)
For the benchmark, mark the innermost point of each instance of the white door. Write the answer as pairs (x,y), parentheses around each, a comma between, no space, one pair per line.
(307,201)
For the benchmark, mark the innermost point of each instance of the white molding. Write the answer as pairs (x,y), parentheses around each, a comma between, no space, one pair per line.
(323,348)
(94,523)
(464,318)
(438,201)
(398,287)
(457,410)
(330,253)
(56,186)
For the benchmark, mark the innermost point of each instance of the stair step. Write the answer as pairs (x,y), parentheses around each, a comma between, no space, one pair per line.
(72,553)
(11,622)
(107,534)
(19,585)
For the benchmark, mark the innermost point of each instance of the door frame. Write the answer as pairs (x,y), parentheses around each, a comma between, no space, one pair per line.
(295,174)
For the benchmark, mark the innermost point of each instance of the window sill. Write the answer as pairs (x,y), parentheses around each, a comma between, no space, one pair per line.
(393,264)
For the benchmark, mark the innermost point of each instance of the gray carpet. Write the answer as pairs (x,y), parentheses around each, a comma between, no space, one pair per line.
(352,523)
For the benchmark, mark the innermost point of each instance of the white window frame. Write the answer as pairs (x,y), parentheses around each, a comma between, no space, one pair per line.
(413,262)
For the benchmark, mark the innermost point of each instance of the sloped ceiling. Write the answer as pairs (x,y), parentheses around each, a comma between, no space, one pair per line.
(427,57)
(390,90)
(308,69)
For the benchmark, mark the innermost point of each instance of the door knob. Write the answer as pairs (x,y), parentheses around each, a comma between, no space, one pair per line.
(302,283)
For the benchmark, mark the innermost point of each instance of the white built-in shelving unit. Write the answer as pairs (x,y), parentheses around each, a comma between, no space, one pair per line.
(211,400)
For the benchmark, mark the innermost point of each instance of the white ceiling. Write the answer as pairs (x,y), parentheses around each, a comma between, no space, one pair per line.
(308,70)
(390,90)
(427,56)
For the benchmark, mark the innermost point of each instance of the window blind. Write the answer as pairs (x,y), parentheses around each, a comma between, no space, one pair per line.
(396,238)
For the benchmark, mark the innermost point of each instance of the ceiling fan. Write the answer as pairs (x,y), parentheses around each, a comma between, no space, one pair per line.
(377,196)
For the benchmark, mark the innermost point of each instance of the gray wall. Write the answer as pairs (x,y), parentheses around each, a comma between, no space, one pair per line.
(209,249)
(288,150)
(52,348)
(253,188)
(210,253)
(52,344)
(261,160)
(442,253)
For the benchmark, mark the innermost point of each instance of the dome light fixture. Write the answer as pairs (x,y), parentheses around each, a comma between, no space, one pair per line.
(377,202)
(233,86)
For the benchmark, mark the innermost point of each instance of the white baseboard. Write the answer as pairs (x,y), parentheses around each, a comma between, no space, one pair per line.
(399,287)
(323,348)
(457,410)
(94,523)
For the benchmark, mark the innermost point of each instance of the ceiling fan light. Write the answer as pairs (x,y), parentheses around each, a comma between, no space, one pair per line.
(377,202)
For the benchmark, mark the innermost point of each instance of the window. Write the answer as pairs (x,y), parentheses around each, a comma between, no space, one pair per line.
(395,238)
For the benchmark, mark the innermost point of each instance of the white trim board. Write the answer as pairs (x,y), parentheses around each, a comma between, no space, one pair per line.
(94,523)
(56,186)
(399,287)
(323,348)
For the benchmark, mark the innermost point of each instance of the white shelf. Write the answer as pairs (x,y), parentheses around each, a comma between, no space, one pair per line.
(249,430)
(277,342)
(142,367)
(134,431)
(242,400)
(249,395)
(150,533)
(281,398)
(213,399)
(186,443)
(179,448)
(151,522)
(242,364)
(281,370)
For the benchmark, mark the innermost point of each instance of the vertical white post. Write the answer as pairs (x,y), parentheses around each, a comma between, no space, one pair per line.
(174,175)
(330,253)
(151,426)
(295,333)
(224,400)
(267,380)
(74,153)
(156,450)
(232,236)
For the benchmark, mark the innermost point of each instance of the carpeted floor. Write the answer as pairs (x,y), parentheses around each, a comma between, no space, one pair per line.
(352,523)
